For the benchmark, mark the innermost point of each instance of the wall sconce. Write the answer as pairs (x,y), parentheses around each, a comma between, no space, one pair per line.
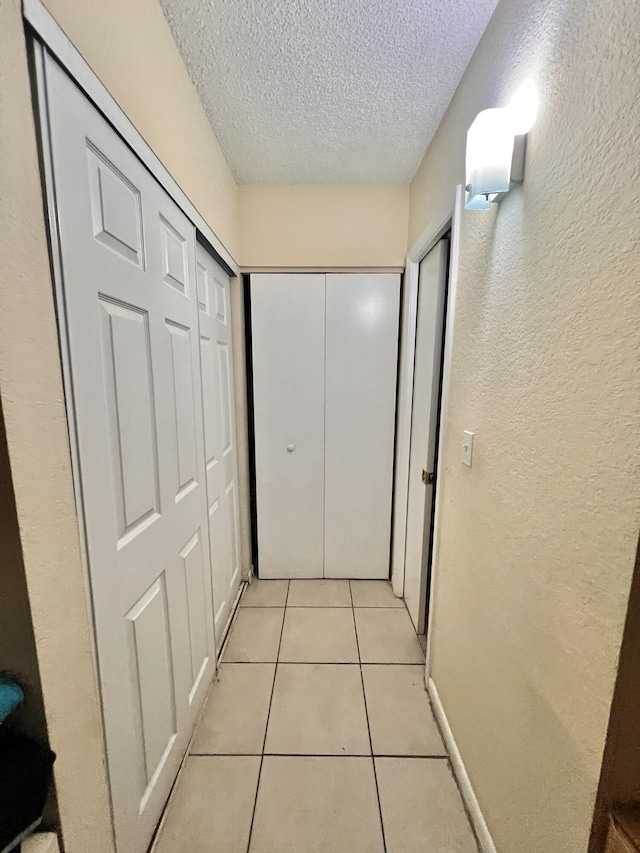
(496,144)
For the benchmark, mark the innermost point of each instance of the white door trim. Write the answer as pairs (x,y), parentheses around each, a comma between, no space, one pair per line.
(483,836)
(57,42)
(447,218)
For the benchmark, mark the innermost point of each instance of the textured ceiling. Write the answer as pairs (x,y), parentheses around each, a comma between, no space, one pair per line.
(326,91)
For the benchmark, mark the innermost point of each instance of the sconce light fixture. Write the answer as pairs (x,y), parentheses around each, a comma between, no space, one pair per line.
(495,150)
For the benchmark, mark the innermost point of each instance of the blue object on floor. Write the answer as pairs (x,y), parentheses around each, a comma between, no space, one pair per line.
(11,695)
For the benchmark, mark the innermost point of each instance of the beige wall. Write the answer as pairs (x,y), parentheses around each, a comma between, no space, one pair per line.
(538,538)
(316,226)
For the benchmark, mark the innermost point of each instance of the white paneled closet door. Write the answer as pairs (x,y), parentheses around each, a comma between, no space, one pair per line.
(324,378)
(214,302)
(128,257)
(360,391)
(287,316)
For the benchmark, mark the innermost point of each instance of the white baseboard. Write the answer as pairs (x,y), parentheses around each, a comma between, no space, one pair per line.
(41,842)
(462,777)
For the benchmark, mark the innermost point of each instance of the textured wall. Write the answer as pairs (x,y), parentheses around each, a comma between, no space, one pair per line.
(311,226)
(131,49)
(539,537)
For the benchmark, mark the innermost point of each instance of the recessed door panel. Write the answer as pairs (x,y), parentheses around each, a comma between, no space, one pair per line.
(129,393)
(185,406)
(224,372)
(220,576)
(151,666)
(116,208)
(234,534)
(194,568)
(174,257)
(287,318)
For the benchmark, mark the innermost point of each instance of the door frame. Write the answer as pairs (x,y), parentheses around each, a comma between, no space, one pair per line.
(447,219)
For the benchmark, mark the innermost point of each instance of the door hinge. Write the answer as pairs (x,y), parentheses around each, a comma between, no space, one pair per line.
(428,477)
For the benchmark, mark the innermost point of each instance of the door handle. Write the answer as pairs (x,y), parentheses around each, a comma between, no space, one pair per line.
(290,448)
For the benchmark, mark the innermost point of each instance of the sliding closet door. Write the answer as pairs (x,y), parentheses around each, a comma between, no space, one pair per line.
(221,456)
(128,256)
(362,312)
(287,317)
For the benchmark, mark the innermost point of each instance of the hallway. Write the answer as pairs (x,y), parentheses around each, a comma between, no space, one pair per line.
(318,736)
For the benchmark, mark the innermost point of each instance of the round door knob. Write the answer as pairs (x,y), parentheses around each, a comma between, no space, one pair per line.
(290,448)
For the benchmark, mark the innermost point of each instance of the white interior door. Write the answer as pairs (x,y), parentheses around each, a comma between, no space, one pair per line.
(424,419)
(131,311)
(287,319)
(362,314)
(214,301)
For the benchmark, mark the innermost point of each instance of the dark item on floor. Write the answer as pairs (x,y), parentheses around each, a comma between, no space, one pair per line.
(25,776)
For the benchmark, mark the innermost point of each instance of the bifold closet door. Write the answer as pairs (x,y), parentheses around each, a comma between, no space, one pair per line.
(362,315)
(131,331)
(324,379)
(287,318)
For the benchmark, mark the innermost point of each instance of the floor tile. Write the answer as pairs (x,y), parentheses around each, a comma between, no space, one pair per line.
(319,635)
(319,593)
(387,636)
(317,805)
(265,594)
(255,635)
(212,806)
(235,716)
(422,807)
(374,594)
(400,716)
(318,709)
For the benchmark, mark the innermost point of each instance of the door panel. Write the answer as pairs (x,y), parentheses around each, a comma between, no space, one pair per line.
(362,315)
(214,301)
(152,662)
(129,396)
(131,312)
(185,406)
(287,317)
(194,565)
(424,416)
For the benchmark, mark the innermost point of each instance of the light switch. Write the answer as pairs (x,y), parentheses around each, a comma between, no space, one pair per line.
(467,447)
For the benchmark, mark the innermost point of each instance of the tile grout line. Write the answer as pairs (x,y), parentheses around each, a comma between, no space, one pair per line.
(366,713)
(318,662)
(316,755)
(266,728)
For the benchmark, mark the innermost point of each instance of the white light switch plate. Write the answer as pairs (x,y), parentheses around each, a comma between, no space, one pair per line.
(467,447)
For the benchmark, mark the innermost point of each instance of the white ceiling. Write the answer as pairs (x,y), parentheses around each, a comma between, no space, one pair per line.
(326,91)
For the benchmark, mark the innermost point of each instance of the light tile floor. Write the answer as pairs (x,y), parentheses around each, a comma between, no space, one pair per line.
(318,736)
